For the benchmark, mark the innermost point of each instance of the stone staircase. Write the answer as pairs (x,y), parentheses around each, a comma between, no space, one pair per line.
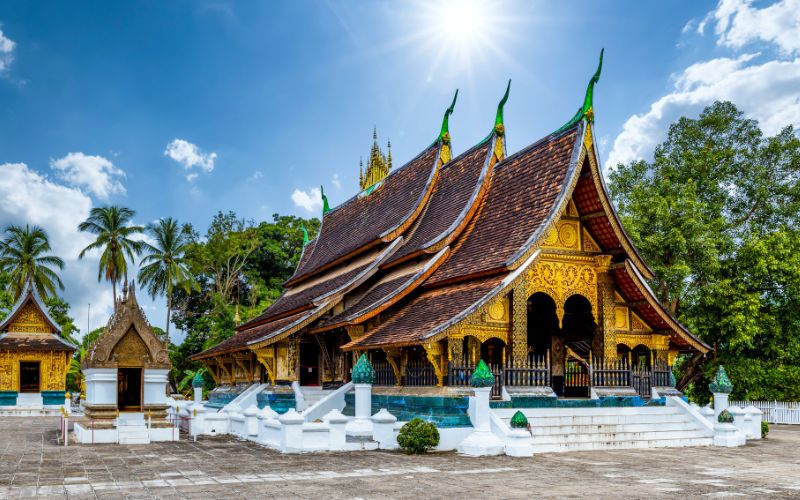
(577,429)
(29,405)
(313,394)
(132,429)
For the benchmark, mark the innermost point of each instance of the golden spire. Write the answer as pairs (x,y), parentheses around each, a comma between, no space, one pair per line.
(378,165)
(236,318)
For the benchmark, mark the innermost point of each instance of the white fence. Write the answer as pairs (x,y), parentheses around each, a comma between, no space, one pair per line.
(775,412)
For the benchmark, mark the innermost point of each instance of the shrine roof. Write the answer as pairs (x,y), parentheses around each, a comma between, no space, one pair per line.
(525,194)
(409,324)
(29,293)
(456,190)
(366,219)
(35,342)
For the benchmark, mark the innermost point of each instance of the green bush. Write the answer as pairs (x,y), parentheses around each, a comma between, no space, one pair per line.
(764,429)
(418,436)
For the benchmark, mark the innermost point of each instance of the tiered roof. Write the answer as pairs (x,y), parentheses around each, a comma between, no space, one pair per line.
(28,326)
(439,238)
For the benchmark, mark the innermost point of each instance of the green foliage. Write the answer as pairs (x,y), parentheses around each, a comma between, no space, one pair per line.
(764,429)
(114,231)
(24,257)
(418,436)
(717,216)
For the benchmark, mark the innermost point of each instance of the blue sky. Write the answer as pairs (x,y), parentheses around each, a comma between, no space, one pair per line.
(185,108)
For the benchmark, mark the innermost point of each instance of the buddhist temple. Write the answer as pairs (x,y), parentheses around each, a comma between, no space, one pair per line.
(34,356)
(516,259)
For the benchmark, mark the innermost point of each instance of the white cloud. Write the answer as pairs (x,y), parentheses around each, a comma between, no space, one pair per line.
(30,198)
(337,182)
(310,200)
(6,51)
(95,174)
(739,24)
(191,157)
(765,91)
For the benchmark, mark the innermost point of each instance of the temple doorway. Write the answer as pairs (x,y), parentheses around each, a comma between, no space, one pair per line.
(309,363)
(492,352)
(542,323)
(129,389)
(28,376)
(641,357)
(578,328)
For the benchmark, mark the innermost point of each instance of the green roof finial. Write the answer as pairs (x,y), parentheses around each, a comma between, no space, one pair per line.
(482,376)
(363,373)
(587,110)
(198,381)
(444,135)
(498,120)
(305,234)
(325,206)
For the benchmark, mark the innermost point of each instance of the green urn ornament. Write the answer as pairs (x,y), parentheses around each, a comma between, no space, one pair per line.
(363,373)
(482,376)
(198,381)
(721,383)
(519,421)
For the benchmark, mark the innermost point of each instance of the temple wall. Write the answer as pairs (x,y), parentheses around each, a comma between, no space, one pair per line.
(53,367)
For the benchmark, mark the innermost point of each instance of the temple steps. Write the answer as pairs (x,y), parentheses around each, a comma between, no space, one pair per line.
(133,434)
(313,394)
(578,429)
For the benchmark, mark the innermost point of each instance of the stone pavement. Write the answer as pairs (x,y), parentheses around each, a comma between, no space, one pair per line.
(32,464)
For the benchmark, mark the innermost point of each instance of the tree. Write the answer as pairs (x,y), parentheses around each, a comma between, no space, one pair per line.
(114,231)
(717,215)
(163,268)
(23,255)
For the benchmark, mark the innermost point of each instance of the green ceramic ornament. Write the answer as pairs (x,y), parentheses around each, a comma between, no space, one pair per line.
(482,376)
(363,373)
(519,421)
(725,417)
(721,383)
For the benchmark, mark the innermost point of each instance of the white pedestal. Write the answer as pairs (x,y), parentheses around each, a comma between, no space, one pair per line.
(361,425)
(727,435)
(101,386)
(482,442)
(155,387)
(519,443)
(383,429)
(720,403)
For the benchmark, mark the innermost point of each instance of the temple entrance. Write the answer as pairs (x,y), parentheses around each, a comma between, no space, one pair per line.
(492,352)
(641,357)
(309,363)
(129,389)
(28,376)
(578,332)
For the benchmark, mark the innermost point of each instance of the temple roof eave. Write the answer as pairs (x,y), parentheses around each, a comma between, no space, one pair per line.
(30,293)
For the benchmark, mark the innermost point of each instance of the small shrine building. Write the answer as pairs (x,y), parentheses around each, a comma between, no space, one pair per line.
(517,259)
(34,356)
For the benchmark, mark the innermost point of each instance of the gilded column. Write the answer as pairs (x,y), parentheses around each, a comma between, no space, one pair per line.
(519,321)
(455,349)
(605,310)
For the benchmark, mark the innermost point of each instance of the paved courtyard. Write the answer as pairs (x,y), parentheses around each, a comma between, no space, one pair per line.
(32,464)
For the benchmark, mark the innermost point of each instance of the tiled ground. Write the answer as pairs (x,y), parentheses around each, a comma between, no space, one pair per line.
(31,464)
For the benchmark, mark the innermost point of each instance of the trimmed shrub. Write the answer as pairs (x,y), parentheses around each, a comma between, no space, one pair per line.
(764,429)
(418,436)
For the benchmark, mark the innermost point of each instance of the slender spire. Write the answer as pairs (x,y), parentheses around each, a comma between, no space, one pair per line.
(498,120)
(587,110)
(389,161)
(378,165)
(305,234)
(325,206)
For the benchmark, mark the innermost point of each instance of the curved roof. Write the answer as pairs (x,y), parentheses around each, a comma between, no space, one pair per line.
(365,220)
(30,293)
(513,211)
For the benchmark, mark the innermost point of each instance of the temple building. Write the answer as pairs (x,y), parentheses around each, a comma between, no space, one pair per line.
(517,259)
(34,356)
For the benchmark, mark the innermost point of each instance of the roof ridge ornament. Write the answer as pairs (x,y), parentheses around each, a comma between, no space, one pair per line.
(587,110)
(499,127)
(446,151)
(325,206)
(305,235)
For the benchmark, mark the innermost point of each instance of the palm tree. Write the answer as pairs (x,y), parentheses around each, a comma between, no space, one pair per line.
(23,257)
(114,230)
(163,268)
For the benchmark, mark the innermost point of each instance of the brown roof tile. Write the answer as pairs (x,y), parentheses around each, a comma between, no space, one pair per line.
(524,189)
(34,342)
(240,339)
(363,220)
(408,323)
(454,188)
(304,299)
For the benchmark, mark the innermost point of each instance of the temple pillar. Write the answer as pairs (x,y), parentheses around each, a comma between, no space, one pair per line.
(455,349)
(519,322)
(606,344)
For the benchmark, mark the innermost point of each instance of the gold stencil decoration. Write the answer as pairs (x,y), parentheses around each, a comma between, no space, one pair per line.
(561,278)
(621,318)
(638,324)
(29,319)
(589,245)
(563,235)
(498,311)
(131,350)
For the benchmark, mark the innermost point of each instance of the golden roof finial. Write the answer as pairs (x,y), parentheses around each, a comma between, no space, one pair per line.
(378,165)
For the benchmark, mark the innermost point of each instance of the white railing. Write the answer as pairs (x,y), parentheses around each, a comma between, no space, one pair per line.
(775,412)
